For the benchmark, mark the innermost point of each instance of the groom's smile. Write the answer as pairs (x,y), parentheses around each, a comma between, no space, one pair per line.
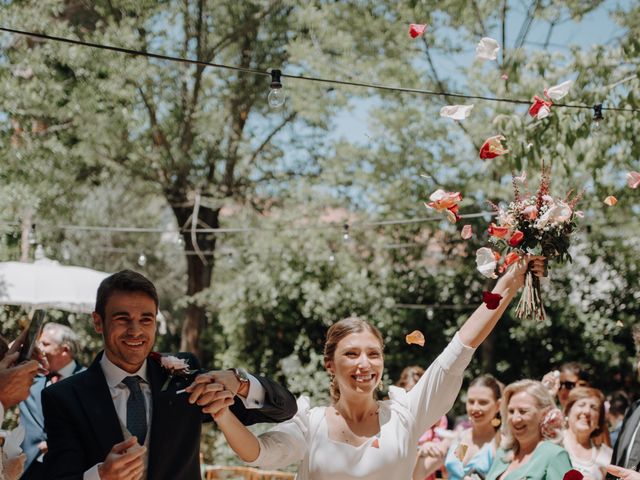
(128,329)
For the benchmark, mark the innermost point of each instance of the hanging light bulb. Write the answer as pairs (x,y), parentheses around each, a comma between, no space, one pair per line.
(345,233)
(276,96)
(142,260)
(32,236)
(596,126)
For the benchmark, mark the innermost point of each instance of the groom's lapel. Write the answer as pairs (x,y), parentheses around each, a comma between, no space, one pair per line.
(95,398)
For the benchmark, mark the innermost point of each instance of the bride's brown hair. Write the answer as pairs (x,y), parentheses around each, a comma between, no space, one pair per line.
(337,332)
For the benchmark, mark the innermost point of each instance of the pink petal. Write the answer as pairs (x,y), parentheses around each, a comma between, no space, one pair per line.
(504,76)
(456,112)
(467,232)
(416,29)
(633,179)
(610,200)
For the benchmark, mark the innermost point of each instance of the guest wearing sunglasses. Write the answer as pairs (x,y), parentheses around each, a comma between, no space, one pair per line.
(562,381)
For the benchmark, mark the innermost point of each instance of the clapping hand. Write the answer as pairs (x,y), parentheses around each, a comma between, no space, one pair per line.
(125,461)
(432,449)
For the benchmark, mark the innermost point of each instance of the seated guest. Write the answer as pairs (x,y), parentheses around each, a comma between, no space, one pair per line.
(530,447)
(585,414)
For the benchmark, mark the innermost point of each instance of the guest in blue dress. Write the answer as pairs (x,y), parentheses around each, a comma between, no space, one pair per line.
(473,451)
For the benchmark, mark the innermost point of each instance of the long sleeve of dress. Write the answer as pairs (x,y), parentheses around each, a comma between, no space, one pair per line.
(438,388)
(287,442)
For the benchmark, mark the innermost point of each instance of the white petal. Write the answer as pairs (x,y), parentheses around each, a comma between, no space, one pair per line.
(456,112)
(558,91)
(487,49)
(437,195)
(543,112)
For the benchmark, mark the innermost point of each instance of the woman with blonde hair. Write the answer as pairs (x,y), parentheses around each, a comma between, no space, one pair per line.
(529,448)
(584,411)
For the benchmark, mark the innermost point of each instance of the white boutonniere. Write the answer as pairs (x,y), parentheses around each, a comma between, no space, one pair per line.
(174,366)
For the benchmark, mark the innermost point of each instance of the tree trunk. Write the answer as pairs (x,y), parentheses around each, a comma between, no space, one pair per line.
(198,273)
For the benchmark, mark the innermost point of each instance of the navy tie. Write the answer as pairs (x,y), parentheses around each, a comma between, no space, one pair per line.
(136,410)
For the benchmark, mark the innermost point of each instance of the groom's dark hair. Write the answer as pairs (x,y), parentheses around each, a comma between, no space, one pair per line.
(124,281)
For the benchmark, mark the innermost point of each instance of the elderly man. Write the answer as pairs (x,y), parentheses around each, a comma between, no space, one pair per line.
(59,344)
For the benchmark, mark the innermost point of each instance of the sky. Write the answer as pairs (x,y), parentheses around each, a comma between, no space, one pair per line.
(596,28)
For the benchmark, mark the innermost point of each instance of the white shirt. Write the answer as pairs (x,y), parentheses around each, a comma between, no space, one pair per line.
(120,395)
(389,455)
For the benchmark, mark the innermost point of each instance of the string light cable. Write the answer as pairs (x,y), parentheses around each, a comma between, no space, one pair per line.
(275,77)
(329,226)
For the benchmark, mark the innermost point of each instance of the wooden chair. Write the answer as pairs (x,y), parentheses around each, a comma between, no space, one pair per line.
(215,472)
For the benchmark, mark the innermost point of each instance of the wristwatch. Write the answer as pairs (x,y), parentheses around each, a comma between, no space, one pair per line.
(242,376)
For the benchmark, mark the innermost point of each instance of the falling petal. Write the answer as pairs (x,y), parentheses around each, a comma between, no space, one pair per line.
(416,29)
(558,91)
(544,112)
(427,177)
(461,451)
(504,76)
(492,147)
(487,49)
(619,324)
(491,300)
(529,145)
(467,232)
(538,104)
(375,443)
(610,200)
(456,112)
(521,178)
(416,338)
(573,475)
(633,179)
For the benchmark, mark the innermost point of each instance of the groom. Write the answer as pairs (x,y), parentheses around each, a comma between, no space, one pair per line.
(88,416)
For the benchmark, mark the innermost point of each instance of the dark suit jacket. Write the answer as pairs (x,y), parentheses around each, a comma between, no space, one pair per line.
(32,418)
(82,424)
(629,424)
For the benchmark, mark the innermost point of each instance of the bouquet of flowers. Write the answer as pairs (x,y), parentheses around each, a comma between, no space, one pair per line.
(536,224)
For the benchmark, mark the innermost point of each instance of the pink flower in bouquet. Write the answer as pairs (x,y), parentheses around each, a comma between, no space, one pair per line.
(633,179)
(557,213)
(516,238)
(509,259)
(487,261)
(530,212)
(416,29)
(447,202)
(498,231)
(492,147)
